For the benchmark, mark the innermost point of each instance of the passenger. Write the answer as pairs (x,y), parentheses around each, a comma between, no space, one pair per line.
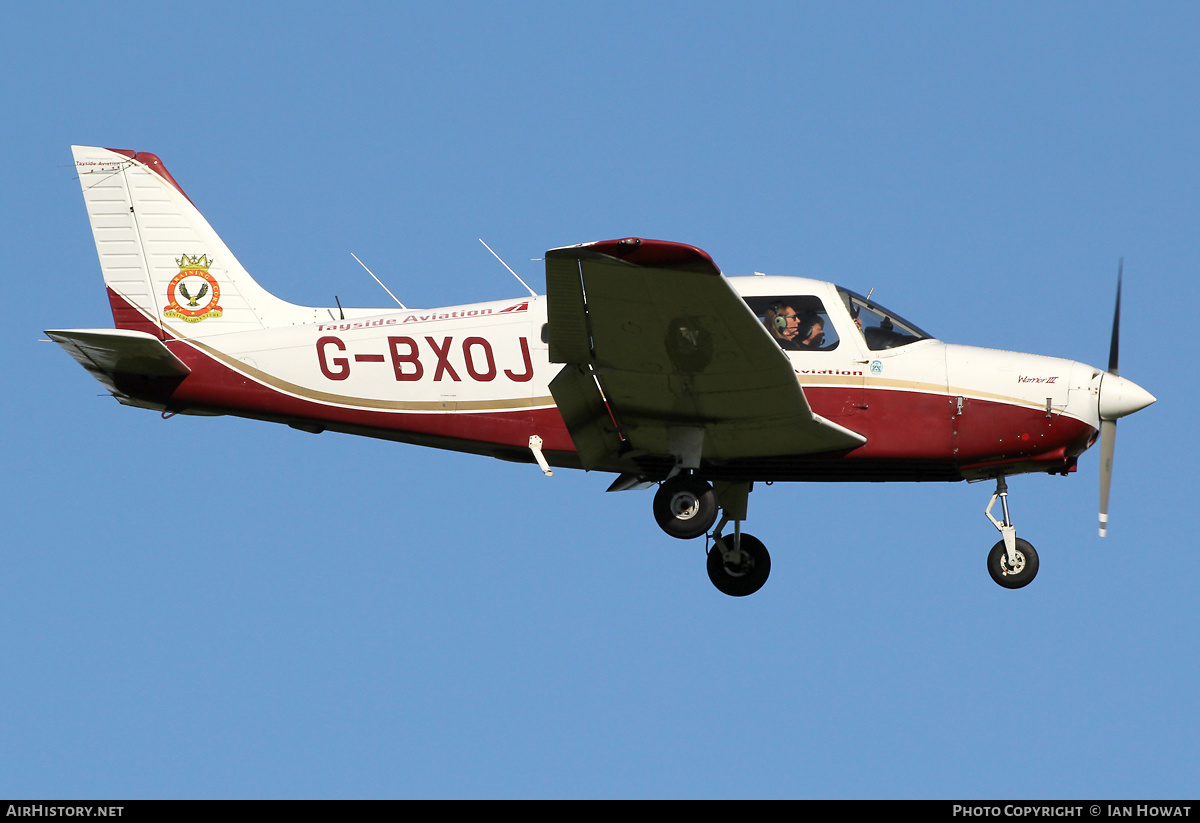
(784,325)
(810,332)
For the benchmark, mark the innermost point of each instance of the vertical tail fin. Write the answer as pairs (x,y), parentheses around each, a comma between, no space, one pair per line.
(167,271)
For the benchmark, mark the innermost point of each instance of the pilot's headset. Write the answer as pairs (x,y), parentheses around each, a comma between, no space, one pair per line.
(778,321)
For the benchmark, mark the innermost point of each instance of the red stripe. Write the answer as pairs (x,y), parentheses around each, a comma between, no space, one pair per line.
(126,316)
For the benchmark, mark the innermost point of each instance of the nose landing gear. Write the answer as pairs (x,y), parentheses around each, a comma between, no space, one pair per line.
(1012,562)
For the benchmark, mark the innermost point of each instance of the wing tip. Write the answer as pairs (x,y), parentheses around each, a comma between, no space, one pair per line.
(640,251)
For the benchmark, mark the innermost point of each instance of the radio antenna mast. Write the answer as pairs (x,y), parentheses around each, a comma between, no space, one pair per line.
(532,293)
(380,282)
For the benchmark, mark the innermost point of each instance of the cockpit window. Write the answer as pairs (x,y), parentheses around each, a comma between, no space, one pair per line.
(882,329)
(797,322)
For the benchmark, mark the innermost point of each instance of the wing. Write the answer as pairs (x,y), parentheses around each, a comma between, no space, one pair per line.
(665,360)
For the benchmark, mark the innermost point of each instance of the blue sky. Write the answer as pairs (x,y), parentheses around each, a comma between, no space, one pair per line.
(223,608)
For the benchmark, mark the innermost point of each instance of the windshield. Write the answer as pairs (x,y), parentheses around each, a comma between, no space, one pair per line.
(882,329)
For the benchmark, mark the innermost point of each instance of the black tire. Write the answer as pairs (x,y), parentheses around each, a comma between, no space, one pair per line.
(685,507)
(1013,578)
(746,578)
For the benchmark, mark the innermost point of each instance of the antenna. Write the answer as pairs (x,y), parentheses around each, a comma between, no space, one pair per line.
(377,280)
(532,293)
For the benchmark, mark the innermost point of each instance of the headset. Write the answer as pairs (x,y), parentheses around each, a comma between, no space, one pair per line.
(806,321)
(778,321)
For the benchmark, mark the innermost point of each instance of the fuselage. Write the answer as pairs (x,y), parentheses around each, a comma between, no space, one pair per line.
(476,378)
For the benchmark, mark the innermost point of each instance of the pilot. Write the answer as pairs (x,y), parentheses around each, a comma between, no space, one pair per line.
(784,325)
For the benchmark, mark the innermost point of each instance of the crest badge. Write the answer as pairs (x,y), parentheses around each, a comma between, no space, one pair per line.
(193,294)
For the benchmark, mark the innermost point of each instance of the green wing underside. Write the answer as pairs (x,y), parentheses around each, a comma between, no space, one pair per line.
(670,362)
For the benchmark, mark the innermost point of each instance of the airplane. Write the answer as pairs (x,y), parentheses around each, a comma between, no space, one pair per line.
(642,360)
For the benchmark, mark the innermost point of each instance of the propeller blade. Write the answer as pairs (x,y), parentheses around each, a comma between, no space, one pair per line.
(1108,428)
(1116,334)
(1118,397)
(1108,442)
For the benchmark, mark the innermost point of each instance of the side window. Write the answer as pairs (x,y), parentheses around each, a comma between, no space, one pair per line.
(797,322)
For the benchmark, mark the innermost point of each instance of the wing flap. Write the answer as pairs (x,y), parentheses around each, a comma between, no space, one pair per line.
(586,414)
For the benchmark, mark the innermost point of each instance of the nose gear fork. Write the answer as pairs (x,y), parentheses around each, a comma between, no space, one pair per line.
(1007,530)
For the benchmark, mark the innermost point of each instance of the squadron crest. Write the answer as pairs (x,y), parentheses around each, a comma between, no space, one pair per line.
(187,291)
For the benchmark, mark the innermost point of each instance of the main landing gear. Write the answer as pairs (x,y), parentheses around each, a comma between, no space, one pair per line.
(738,564)
(686,507)
(1012,562)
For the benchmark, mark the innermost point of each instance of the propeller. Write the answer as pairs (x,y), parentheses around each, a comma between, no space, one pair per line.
(1118,397)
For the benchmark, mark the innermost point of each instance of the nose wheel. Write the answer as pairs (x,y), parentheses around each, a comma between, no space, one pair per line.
(1017,572)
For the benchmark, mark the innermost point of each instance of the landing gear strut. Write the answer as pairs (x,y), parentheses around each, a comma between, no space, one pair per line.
(738,564)
(1012,562)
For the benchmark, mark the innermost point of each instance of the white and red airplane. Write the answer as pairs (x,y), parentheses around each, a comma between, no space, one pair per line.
(642,360)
